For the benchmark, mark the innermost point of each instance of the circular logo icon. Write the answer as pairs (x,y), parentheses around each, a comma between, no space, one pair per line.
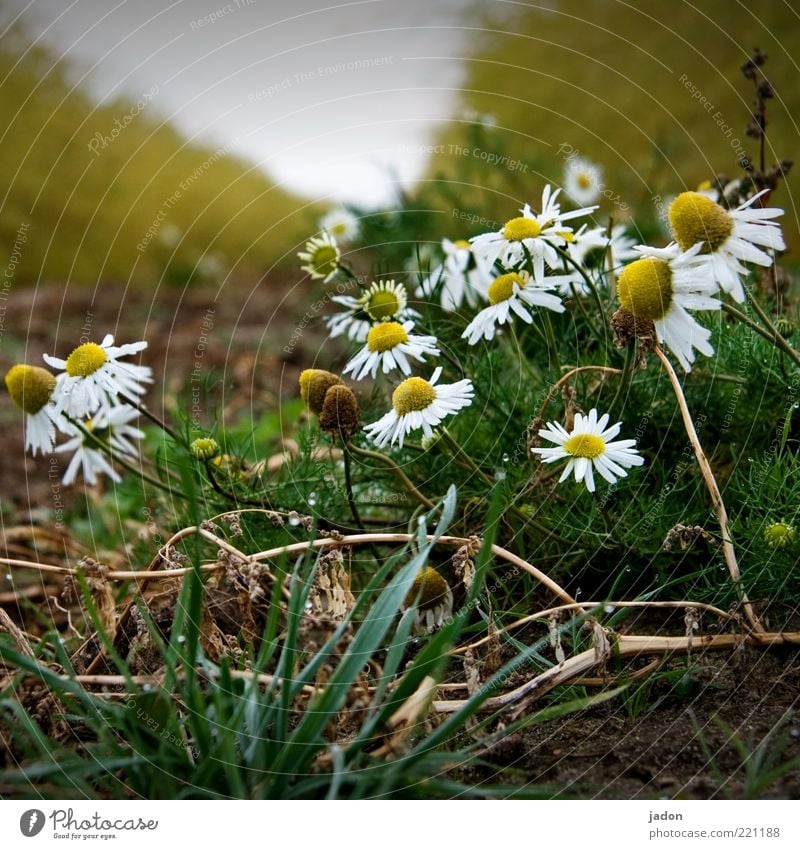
(31,822)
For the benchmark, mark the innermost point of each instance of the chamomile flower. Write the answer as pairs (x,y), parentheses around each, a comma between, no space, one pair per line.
(321,257)
(509,295)
(389,345)
(463,276)
(729,237)
(779,534)
(661,287)
(31,389)
(113,427)
(433,598)
(419,403)
(93,377)
(341,224)
(383,301)
(588,448)
(530,234)
(583,180)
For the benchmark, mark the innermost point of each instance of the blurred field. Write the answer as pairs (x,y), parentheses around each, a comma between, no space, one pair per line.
(652,91)
(115,192)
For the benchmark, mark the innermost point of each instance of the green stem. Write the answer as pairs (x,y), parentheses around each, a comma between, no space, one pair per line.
(348,483)
(624,383)
(396,470)
(154,418)
(773,337)
(780,342)
(551,342)
(107,449)
(587,278)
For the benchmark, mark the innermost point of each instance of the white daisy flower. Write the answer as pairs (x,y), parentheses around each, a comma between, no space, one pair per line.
(462,276)
(661,287)
(419,403)
(588,448)
(536,234)
(383,301)
(511,294)
(31,389)
(389,345)
(321,257)
(433,598)
(93,377)
(340,223)
(112,426)
(729,237)
(583,180)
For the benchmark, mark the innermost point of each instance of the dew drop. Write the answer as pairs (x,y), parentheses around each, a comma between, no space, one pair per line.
(506,458)
(9,578)
(312,499)
(500,475)
(181,639)
(294,519)
(609,608)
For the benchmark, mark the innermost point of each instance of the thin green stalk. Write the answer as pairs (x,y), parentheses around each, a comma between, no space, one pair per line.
(154,418)
(107,449)
(551,342)
(587,278)
(624,383)
(780,342)
(773,337)
(396,470)
(348,483)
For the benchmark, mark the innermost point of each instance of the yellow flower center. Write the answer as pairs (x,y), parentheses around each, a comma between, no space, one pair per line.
(584,181)
(462,243)
(585,445)
(696,218)
(779,534)
(645,288)
(428,590)
(518,229)
(382,304)
(30,387)
(412,395)
(325,259)
(384,337)
(502,287)
(85,360)
(567,235)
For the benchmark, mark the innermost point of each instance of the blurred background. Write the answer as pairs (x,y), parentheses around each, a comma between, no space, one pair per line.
(153,144)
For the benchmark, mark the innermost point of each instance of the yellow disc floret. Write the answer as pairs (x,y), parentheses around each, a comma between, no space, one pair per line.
(462,243)
(585,445)
(412,395)
(85,360)
(584,180)
(381,304)
(325,259)
(428,590)
(384,337)
(696,218)
(30,387)
(502,287)
(779,534)
(204,448)
(645,288)
(521,228)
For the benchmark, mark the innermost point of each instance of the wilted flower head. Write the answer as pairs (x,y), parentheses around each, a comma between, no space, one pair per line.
(314,383)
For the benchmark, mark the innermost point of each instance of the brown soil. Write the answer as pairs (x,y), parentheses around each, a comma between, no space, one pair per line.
(673,748)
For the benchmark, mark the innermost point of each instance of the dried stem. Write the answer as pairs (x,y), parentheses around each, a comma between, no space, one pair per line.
(713,488)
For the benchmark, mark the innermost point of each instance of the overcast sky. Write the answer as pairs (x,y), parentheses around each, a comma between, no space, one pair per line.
(331,98)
